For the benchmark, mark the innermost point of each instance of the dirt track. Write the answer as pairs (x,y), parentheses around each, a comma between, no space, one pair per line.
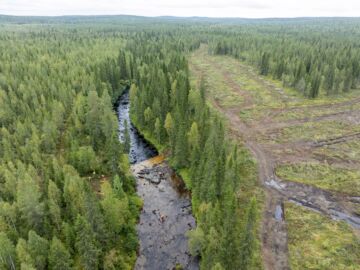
(336,206)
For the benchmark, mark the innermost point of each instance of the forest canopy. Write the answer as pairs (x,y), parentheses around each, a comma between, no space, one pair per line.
(59,80)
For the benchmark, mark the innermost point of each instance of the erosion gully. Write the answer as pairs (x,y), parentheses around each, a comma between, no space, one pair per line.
(166,214)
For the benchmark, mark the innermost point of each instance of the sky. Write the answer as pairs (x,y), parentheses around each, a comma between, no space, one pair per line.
(185,8)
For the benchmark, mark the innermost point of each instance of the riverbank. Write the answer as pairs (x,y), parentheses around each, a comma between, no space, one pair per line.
(166,216)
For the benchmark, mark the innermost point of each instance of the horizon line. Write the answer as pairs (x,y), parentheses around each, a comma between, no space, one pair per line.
(181,17)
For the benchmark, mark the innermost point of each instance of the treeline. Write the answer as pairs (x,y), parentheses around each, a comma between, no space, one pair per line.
(58,141)
(177,119)
(316,56)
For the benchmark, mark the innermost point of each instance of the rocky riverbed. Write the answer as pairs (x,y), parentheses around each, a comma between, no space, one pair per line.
(166,215)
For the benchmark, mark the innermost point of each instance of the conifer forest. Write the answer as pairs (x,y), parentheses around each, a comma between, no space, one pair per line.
(179,143)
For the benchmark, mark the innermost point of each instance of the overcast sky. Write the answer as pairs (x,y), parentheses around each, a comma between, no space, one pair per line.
(209,8)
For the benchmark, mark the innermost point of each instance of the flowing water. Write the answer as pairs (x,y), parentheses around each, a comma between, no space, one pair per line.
(140,150)
(166,215)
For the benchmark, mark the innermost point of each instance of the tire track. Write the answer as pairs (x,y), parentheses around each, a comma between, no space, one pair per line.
(273,229)
(266,126)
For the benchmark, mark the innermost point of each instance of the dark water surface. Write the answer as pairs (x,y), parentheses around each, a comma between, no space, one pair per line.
(140,150)
(166,215)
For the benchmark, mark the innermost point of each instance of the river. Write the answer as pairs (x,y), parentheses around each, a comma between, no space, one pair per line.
(166,215)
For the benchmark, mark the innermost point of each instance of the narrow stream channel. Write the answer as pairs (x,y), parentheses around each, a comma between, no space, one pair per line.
(166,215)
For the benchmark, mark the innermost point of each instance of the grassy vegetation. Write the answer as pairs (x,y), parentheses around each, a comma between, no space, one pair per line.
(265,93)
(346,151)
(314,131)
(323,176)
(316,242)
(311,113)
(332,245)
(218,87)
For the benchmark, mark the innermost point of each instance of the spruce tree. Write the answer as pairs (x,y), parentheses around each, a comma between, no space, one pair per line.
(38,248)
(265,63)
(54,204)
(181,147)
(86,244)
(7,253)
(28,202)
(59,256)
(249,238)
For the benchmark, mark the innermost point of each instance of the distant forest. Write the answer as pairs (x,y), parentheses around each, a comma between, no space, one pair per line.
(59,80)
